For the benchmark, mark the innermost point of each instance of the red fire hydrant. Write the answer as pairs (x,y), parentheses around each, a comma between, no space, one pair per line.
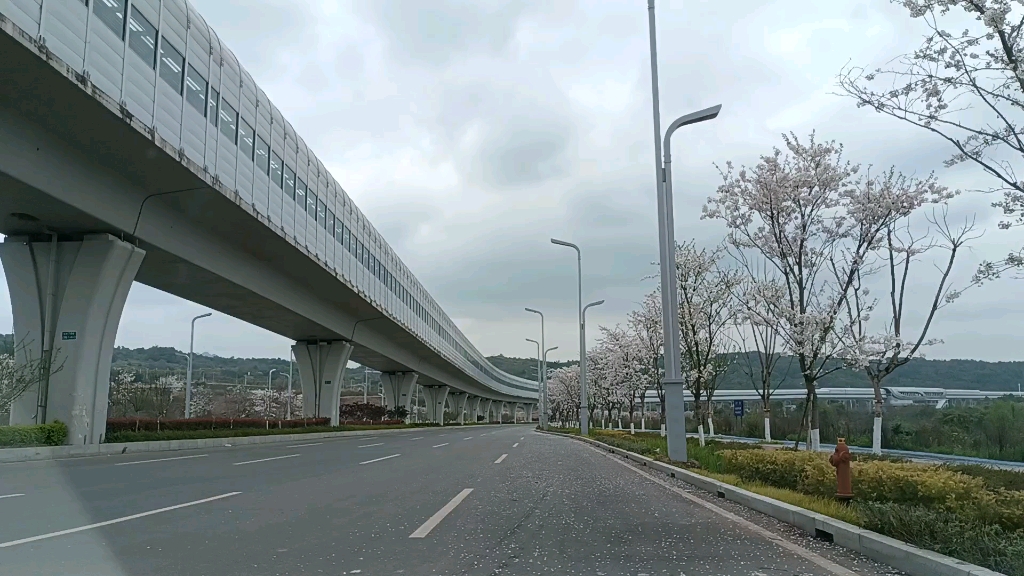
(841,460)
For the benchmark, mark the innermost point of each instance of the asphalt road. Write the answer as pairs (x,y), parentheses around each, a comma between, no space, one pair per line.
(470,500)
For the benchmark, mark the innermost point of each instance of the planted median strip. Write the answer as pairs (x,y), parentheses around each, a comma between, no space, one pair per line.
(974,515)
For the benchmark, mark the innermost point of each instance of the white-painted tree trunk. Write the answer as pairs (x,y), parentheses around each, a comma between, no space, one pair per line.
(767,429)
(662,430)
(876,436)
(620,424)
(815,440)
(643,424)
(711,426)
(700,433)
(632,429)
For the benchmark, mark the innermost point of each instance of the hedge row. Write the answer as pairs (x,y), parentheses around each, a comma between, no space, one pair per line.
(145,436)
(933,487)
(158,424)
(52,434)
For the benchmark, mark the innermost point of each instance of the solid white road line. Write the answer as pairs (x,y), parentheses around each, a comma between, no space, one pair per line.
(265,459)
(498,461)
(439,445)
(379,459)
(160,460)
(516,445)
(767,534)
(114,521)
(304,445)
(434,520)
(10,496)
(370,445)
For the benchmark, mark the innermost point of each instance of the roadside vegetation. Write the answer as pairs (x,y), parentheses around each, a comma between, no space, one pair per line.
(52,434)
(969,512)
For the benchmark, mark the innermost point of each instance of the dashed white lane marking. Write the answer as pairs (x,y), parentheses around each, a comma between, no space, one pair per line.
(379,459)
(114,521)
(265,459)
(439,445)
(304,445)
(498,461)
(10,496)
(417,438)
(434,520)
(160,460)
(769,535)
(468,438)
(370,445)
(516,445)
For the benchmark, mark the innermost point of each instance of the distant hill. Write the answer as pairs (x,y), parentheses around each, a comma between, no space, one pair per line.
(967,374)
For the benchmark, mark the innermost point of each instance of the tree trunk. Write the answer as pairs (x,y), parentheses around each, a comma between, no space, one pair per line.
(711,424)
(876,432)
(700,433)
(815,439)
(767,425)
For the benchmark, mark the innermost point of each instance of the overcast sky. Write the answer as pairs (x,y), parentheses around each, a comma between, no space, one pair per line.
(470,132)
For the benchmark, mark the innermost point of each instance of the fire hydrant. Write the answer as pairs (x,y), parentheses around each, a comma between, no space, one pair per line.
(841,460)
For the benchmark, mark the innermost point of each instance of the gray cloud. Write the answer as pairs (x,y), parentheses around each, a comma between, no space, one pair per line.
(472,132)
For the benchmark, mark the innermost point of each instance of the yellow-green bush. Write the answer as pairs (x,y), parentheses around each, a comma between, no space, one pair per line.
(934,487)
(779,468)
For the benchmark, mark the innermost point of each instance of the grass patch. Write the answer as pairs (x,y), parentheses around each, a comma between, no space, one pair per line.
(826,506)
(143,436)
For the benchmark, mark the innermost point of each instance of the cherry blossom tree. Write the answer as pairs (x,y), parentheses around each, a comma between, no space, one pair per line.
(707,312)
(880,353)
(630,367)
(756,319)
(20,372)
(202,400)
(644,324)
(564,393)
(967,87)
(813,218)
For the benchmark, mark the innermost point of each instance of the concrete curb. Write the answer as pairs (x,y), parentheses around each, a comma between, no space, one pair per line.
(54,452)
(908,558)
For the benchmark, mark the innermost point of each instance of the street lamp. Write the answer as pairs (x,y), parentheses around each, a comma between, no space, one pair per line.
(270,378)
(675,393)
(584,402)
(540,385)
(542,380)
(584,429)
(188,364)
(288,410)
(188,378)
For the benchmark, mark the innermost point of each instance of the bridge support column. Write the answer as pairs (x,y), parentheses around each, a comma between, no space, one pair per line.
(435,397)
(515,411)
(70,313)
(473,407)
(458,402)
(500,410)
(529,412)
(398,388)
(321,368)
(487,403)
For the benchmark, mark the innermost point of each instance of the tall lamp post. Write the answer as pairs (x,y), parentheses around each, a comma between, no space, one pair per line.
(188,378)
(675,393)
(584,428)
(288,411)
(544,366)
(584,401)
(270,378)
(542,377)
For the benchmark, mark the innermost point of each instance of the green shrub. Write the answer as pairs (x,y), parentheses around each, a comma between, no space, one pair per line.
(913,484)
(974,541)
(52,434)
(992,477)
(779,468)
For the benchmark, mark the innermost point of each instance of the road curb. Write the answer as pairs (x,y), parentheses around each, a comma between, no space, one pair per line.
(8,455)
(906,557)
